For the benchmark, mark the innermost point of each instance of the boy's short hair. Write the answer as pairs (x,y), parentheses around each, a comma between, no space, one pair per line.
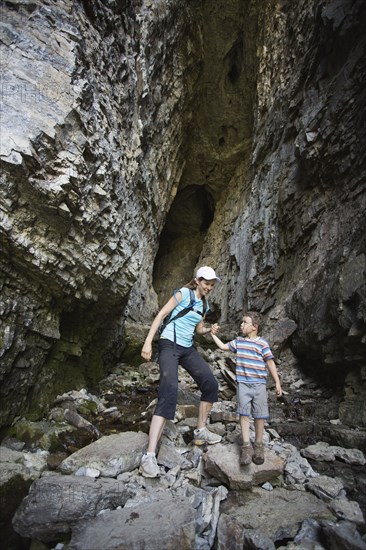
(256,317)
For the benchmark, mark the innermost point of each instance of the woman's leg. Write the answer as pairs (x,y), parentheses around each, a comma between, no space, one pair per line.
(167,394)
(203,412)
(165,408)
(201,373)
(156,429)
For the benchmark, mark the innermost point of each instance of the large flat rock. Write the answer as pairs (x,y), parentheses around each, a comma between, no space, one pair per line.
(111,454)
(168,523)
(222,462)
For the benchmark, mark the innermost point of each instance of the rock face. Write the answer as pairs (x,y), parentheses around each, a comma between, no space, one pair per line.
(142,138)
(93,119)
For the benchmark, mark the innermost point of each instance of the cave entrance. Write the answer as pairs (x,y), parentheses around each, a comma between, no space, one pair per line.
(181,240)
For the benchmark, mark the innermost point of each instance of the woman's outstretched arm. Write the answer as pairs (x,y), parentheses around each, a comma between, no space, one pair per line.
(146,351)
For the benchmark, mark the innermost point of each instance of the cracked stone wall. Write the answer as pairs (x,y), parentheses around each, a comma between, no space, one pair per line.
(293,232)
(141,138)
(94,107)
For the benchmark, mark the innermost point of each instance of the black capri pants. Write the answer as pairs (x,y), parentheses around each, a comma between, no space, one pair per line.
(170,357)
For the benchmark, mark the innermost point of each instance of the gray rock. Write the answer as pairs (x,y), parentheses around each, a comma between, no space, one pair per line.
(28,466)
(309,535)
(325,487)
(142,527)
(222,462)
(276,515)
(320,451)
(169,457)
(55,504)
(324,451)
(111,455)
(347,510)
(42,434)
(257,541)
(78,421)
(298,469)
(16,476)
(342,536)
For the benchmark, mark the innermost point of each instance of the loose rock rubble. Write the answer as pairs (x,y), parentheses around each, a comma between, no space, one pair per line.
(95,498)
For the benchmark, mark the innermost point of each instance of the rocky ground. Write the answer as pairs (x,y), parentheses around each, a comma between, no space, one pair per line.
(79,468)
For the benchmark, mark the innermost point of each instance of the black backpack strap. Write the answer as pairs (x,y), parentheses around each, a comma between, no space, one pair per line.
(204,306)
(183,312)
(186,309)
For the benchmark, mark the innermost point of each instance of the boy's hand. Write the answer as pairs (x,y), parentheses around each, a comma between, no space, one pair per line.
(278,390)
(215,328)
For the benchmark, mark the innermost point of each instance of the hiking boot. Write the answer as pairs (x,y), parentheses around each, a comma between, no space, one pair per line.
(246,453)
(205,436)
(258,455)
(149,467)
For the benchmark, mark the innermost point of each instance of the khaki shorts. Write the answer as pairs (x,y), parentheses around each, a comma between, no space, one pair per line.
(252,400)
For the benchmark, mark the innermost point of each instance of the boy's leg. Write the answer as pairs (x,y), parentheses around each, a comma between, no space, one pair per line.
(259,429)
(245,425)
(246,450)
(244,395)
(244,398)
(260,413)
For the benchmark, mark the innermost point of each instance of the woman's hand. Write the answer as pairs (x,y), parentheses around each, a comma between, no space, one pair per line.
(146,352)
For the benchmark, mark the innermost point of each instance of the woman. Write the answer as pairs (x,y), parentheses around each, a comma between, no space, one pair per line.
(176,348)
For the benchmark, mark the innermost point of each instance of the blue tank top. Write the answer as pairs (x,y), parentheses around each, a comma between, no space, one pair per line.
(186,325)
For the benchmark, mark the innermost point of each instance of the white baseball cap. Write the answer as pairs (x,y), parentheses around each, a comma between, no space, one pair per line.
(207,273)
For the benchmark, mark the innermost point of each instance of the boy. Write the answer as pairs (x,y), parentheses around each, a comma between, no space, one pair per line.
(253,357)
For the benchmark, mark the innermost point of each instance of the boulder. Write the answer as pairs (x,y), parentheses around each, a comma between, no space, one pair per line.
(56,503)
(343,535)
(276,515)
(324,451)
(168,522)
(222,462)
(111,454)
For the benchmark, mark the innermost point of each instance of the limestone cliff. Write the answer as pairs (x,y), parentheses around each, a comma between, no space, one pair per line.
(140,138)
(95,105)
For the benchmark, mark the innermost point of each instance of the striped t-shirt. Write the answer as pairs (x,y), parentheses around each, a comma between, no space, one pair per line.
(251,357)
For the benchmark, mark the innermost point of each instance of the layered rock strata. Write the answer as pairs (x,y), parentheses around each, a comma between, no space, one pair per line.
(140,139)
(94,104)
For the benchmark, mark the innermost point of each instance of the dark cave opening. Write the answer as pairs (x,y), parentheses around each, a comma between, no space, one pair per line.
(181,240)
